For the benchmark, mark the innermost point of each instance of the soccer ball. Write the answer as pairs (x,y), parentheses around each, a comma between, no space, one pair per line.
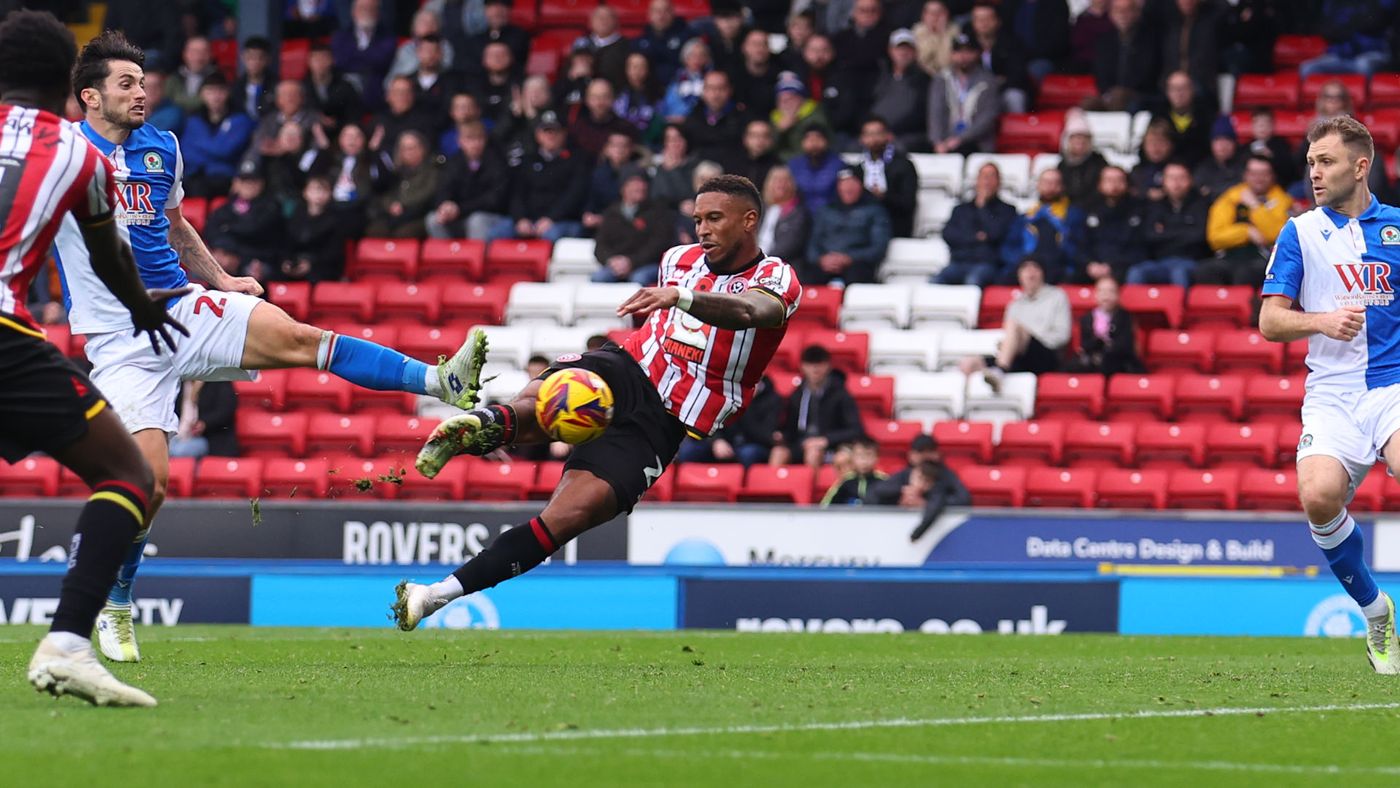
(574,406)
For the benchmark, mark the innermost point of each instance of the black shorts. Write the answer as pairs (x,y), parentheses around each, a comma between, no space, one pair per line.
(643,437)
(45,401)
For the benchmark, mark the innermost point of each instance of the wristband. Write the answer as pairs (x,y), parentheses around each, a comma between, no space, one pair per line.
(684,298)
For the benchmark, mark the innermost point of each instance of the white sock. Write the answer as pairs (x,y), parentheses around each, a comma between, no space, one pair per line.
(1377,609)
(431,384)
(448,588)
(69,641)
(1333,532)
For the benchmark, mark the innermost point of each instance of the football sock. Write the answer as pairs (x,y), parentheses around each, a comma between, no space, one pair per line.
(514,552)
(374,366)
(492,416)
(126,574)
(107,526)
(1345,548)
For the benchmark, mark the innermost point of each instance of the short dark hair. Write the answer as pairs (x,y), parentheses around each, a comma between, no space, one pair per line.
(257,42)
(36,53)
(1261,158)
(873,118)
(430,38)
(863,442)
(815,354)
(537,359)
(93,68)
(734,186)
(1262,112)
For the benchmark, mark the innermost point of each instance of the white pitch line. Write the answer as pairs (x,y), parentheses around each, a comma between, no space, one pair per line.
(899,722)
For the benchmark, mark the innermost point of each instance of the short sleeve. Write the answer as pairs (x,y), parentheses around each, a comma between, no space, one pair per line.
(777,278)
(97,184)
(1284,276)
(177,189)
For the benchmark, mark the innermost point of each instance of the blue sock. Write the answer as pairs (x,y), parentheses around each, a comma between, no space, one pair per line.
(1345,548)
(126,575)
(372,366)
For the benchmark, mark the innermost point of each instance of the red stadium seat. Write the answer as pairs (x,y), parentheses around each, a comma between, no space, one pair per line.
(228,477)
(1291,50)
(547,478)
(1097,444)
(994,302)
(475,303)
(787,358)
(264,434)
(225,52)
(1129,489)
(449,485)
(1170,446)
(1190,350)
(293,297)
(542,63)
(567,13)
(196,211)
(291,478)
(1033,132)
(1295,356)
(453,260)
(1212,489)
(1071,396)
(392,259)
(961,442)
(268,392)
(397,433)
(698,481)
(1385,91)
(1241,445)
(360,477)
(1274,490)
(785,484)
(1062,91)
(181,481)
(1245,349)
(1061,487)
(1293,126)
(1209,398)
(1081,300)
(1031,443)
(292,61)
(1155,306)
(1385,131)
(895,437)
(1223,307)
(353,301)
(386,334)
(426,343)
(420,303)
(850,350)
(498,481)
(664,488)
(31,477)
(995,486)
(313,389)
(524,15)
(70,486)
(517,261)
(1355,85)
(339,433)
(821,306)
(1280,91)
(1140,398)
(1289,433)
(60,335)
(874,394)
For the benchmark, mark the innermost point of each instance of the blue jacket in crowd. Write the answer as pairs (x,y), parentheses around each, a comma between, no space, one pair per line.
(215,150)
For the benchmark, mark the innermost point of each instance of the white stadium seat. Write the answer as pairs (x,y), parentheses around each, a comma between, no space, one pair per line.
(1140,123)
(893,351)
(953,306)
(504,386)
(1015,171)
(537,303)
(866,306)
(939,171)
(1125,160)
(932,212)
(930,396)
(553,342)
(572,260)
(954,346)
(508,347)
(1111,130)
(1015,402)
(914,258)
(598,303)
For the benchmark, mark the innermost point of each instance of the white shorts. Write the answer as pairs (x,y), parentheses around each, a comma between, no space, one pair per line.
(1350,426)
(143,387)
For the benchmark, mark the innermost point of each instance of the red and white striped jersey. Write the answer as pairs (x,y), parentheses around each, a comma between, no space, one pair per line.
(706,375)
(47,169)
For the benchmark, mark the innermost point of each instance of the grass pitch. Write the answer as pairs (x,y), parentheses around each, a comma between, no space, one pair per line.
(375,707)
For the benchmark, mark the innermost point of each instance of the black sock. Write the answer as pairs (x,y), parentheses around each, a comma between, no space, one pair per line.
(114,514)
(502,416)
(514,552)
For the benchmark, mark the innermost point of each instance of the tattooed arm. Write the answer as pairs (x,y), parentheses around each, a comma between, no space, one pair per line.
(199,261)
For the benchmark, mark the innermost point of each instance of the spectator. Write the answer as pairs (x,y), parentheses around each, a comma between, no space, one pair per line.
(1251,27)
(801,26)
(716,125)
(674,170)
(1225,166)
(794,114)
(1356,40)
(401,115)
(786,226)
(206,427)
(462,109)
(609,48)
(1146,178)
(1036,326)
(253,91)
(683,95)
(285,165)
(934,37)
(925,483)
(308,18)
(858,486)
(1192,42)
(819,415)
(758,154)
(1189,117)
(548,188)
(1001,56)
(901,94)
(1115,237)
(1264,142)
(633,235)
(963,104)
(402,211)
(1176,232)
(888,175)
(1040,30)
(289,107)
(1049,232)
(1125,61)
(661,40)
(328,92)
(975,233)
(572,84)
(748,439)
(1107,341)
(461,19)
(725,33)
(815,170)
(355,172)
(248,228)
(1242,226)
(592,128)
(1090,27)
(498,30)
(433,84)
(364,51)
(640,99)
(214,141)
(1080,164)
(756,78)
(315,236)
(605,180)
(473,189)
(496,85)
(860,47)
(408,57)
(838,93)
(849,238)
(515,133)
(196,64)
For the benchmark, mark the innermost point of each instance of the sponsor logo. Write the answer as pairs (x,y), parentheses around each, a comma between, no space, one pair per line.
(473,611)
(1367,284)
(568,358)
(1038,623)
(737,286)
(1390,235)
(681,350)
(1337,616)
(1177,551)
(40,610)
(383,543)
(1326,234)
(134,204)
(153,162)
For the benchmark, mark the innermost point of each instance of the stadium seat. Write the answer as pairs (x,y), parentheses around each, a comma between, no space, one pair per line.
(1279,91)
(418,303)
(1162,445)
(509,346)
(31,477)
(1293,126)
(196,211)
(1140,398)
(498,481)
(1069,396)
(894,437)
(955,345)
(291,62)
(1154,306)
(60,335)
(1384,124)
(225,54)
(449,485)
(572,259)
(293,297)
(398,433)
(1221,307)
(940,171)
(1027,132)
(548,476)
(1355,85)
(782,484)
(1063,91)
(932,211)
(1112,130)
(553,342)
(945,306)
(228,477)
(1189,350)
(511,260)
(453,260)
(541,63)
(1385,91)
(1015,171)
(1096,444)
(1061,487)
(264,434)
(268,392)
(181,481)
(292,478)
(995,486)
(995,299)
(475,303)
(821,306)
(540,303)
(1273,399)
(343,433)
(363,477)
(1246,350)
(892,351)
(1241,445)
(1370,495)
(914,258)
(1120,488)
(699,481)
(1289,435)
(1031,444)
(874,394)
(868,305)
(1271,490)
(386,334)
(353,301)
(1295,356)
(930,396)
(1291,50)
(70,485)
(314,389)
(1209,398)
(596,303)
(1210,489)
(962,442)
(391,259)
(850,350)
(1014,402)
(426,343)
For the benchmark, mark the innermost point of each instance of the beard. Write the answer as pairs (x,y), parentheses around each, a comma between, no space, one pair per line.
(122,121)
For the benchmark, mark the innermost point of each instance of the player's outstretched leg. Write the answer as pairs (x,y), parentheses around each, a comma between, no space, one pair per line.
(482,431)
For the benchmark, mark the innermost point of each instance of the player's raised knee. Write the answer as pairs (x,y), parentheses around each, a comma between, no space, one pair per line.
(1321,502)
